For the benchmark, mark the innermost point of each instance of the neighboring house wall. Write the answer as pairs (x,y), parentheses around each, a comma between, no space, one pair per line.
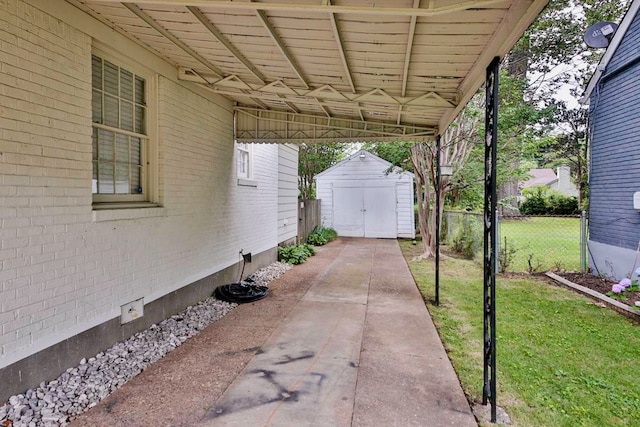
(67,268)
(559,180)
(563,184)
(614,230)
(287,193)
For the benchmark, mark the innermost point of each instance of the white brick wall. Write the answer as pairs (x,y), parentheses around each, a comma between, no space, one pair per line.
(66,268)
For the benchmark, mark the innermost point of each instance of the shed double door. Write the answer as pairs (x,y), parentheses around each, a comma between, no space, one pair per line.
(365,212)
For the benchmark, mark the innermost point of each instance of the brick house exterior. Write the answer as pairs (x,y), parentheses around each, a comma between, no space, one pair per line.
(69,264)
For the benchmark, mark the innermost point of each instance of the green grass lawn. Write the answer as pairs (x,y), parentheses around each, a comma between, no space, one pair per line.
(562,360)
(551,242)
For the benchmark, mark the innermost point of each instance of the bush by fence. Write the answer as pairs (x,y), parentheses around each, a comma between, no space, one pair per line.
(541,200)
(308,218)
(533,243)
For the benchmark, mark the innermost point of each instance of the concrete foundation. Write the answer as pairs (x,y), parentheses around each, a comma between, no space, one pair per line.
(49,363)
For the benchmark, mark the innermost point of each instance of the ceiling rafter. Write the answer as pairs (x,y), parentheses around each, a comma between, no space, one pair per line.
(407,56)
(159,28)
(288,56)
(372,109)
(324,109)
(200,16)
(294,6)
(343,56)
(377,96)
(208,86)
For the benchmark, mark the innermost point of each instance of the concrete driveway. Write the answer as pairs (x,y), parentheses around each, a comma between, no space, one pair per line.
(342,340)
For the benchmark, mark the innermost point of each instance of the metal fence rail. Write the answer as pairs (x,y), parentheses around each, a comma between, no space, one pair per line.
(526,243)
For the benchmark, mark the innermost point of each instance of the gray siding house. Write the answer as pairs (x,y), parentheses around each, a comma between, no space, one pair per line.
(613,95)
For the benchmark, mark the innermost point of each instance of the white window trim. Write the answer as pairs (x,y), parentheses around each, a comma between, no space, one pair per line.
(245,179)
(242,148)
(149,152)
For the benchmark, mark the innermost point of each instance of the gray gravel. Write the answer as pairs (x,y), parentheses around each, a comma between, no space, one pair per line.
(57,402)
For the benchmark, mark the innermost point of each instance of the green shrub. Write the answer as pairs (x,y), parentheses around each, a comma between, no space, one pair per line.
(295,254)
(541,200)
(321,236)
(466,238)
(534,202)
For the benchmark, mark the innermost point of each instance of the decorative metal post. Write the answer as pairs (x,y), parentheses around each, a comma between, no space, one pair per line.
(489,391)
(437,224)
(583,242)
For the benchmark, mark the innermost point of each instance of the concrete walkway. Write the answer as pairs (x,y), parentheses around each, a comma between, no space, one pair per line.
(342,340)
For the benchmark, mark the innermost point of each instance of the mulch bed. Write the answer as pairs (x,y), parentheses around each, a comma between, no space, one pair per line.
(599,284)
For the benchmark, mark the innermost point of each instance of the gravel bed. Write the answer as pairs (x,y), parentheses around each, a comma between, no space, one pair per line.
(57,402)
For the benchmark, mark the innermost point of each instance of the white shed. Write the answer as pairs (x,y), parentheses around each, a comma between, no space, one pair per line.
(361,198)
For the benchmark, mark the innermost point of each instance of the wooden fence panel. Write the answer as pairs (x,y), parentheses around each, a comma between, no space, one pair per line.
(308,218)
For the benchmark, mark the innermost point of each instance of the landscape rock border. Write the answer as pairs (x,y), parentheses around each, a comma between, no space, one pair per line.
(80,388)
(616,305)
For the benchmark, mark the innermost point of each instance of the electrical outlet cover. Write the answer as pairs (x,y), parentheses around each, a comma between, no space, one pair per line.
(131,311)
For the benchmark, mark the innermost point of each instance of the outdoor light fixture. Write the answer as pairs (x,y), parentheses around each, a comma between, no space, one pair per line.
(362,156)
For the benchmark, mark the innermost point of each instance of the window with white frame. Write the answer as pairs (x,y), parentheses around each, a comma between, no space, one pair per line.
(120,138)
(244,160)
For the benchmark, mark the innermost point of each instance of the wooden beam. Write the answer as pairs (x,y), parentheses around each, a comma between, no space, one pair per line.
(226,43)
(341,50)
(294,6)
(274,36)
(407,56)
(345,124)
(153,24)
(324,109)
(425,100)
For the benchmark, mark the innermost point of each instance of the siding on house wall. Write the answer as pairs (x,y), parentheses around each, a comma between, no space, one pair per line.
(287,192)
(64,272)
(324,192)
(406,217)
(629,47)
(615,148)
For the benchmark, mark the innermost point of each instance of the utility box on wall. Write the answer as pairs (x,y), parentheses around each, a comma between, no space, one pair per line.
(364,196)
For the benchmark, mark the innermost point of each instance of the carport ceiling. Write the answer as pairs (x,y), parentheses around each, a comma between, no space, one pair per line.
(327,70)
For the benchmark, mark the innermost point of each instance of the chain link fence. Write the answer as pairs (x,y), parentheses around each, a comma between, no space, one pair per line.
(525,243)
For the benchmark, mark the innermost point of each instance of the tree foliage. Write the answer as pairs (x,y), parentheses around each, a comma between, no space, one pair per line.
(313,159)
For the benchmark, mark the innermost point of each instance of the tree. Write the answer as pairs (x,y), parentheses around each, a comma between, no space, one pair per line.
(532,121)
(572,147)
(456,144)
(313,159)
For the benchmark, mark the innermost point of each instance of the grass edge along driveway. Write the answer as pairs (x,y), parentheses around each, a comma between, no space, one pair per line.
(562,360)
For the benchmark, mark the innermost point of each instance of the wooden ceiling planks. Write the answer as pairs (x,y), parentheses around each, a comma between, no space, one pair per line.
(381,47)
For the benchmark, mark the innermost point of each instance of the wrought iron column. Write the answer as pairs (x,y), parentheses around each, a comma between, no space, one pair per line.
(490,236)
(437,224)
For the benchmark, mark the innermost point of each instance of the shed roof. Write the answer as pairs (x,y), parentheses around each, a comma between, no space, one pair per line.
(384,165)
(327,70)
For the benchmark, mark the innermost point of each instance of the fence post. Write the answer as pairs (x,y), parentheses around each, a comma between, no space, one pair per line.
(583,242)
